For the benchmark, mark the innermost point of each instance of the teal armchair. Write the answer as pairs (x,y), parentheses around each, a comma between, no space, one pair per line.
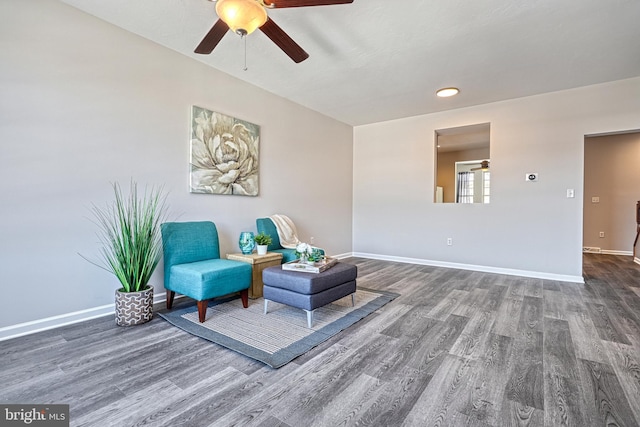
(192,265)
(266,226)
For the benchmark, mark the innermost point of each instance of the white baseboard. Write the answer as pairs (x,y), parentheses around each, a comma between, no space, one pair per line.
(342,256)
(482,268)
(591,250)
(594,250)
(52,322)
(636,260)
(610,252)
(39,325)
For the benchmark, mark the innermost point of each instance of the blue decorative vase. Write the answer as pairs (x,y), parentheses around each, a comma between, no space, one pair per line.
(247,242)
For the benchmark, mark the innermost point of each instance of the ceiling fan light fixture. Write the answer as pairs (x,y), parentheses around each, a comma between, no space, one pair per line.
(242,16)
(447,92)
(484,166)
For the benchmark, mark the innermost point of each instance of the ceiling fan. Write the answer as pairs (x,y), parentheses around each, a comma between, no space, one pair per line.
(484,165)
(245,16)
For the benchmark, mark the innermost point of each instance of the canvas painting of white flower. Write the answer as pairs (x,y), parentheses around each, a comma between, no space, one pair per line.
(224,154)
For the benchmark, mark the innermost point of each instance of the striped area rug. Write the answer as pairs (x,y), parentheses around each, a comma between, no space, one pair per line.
(279,336)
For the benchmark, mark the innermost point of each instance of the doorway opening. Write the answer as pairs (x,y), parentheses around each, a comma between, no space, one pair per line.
(611,193)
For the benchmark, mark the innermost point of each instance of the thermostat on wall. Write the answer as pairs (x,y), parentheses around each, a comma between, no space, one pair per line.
(531,177)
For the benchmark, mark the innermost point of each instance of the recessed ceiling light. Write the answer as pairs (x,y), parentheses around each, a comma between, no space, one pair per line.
(447,91)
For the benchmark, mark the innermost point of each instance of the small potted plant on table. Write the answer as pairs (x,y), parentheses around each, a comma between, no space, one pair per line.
(263,241)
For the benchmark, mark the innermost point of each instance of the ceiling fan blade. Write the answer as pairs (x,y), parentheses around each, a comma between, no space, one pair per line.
(303,3)
(213,37)
(284,42)
(484,165)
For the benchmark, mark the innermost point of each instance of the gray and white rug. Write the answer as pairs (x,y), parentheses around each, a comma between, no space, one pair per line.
(279,336)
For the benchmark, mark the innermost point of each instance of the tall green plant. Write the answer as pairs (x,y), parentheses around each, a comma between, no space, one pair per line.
(129,231)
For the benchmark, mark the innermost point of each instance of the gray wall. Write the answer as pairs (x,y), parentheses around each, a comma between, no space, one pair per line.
(612,173)
(528,227)
(84,103)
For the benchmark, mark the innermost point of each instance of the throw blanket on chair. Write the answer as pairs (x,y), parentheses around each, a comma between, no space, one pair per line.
(287,232)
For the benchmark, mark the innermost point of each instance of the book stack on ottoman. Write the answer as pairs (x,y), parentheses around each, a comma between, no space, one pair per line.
(309,291)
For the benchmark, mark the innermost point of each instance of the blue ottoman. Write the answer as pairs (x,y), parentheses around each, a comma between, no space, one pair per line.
(309,291)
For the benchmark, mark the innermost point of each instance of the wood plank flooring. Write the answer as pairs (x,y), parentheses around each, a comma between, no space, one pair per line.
(457,348)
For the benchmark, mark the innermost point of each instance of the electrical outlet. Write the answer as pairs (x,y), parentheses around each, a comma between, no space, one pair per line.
(595,199)
(311,240)
(602,234)
(531,177)
(570,193)
(449,241)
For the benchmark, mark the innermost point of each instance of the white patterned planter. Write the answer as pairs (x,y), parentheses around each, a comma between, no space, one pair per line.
(134,308)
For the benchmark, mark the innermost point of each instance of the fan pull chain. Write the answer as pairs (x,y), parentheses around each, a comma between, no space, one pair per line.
(245,53)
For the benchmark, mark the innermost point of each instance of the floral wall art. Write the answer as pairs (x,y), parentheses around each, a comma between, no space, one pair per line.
(224,154)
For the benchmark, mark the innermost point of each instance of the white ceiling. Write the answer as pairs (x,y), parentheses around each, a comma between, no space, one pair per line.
(377,60)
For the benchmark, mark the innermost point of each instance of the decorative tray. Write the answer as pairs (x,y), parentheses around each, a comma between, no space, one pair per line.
(316,267)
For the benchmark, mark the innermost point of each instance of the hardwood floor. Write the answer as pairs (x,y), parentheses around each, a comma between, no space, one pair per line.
(457,348)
